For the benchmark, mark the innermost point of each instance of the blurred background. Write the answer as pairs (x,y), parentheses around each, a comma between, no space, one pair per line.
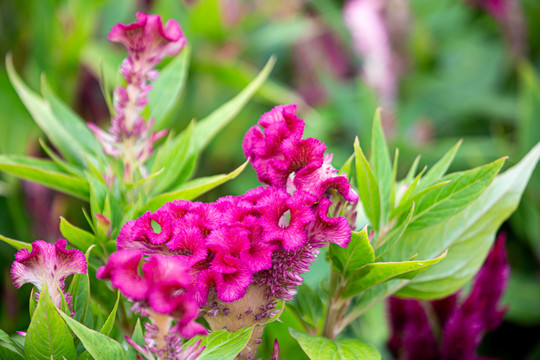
(441,71)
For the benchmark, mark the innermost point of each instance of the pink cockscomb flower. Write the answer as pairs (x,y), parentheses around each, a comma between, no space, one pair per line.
(49,263)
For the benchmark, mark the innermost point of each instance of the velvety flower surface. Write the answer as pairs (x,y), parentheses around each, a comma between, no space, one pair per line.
(461,324)
(49,263)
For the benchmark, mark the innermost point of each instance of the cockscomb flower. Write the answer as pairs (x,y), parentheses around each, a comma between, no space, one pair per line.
(50,264)
(147,41)
(461,324)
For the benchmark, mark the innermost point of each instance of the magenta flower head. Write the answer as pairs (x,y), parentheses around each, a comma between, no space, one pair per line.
(49,263)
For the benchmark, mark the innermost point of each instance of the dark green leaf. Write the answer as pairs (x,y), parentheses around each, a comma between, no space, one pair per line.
(48,337)
(10,349)
(318,347)
(79,289)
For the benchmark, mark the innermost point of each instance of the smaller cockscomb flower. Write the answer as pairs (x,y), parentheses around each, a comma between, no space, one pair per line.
(49,263)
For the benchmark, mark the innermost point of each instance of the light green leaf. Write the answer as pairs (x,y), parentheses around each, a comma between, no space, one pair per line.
(439,169)
(318,347)
(446,201)
(368,190)
(109,323)
(48,337)
(100,346)
(11,350)
(222,344)
(190,190)
(375,273)
(209,126)
(43,115)
(44,172)
(79,238)
(67,167)
(16,243)
(167,88)
(468,235)
(138,338)
(380,162)
(358,253)
(386,243)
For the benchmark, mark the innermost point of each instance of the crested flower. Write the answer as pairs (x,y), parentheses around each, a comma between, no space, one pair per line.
(50,264)
(147,42)
(461,324)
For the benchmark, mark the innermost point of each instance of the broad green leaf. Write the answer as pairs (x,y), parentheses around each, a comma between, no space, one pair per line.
(380,162)
(389,239)
(468,235)
(48,337)
(16,243)
(79,289)
(109,323)
(43,115)
(439,169)
(79,238)
(367,187)
(358,253)
(190,190)
(44,172)
(171,157)
(318,347)
(100,346)
(222,344)
(446,201)
(209,126)
(10,349)
(375,273)
(167,88)
(138,337)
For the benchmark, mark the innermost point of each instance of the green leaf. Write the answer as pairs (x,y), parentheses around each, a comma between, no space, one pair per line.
(79,238)
(380,161)
(446,201)
(528,130)
(10,349)
(32,303)
(439,169)
(43,115)
(468,235)
(222,344)
(209,126)
(16,243)
(368,190)
(79,289)
(190,190)
(138,338)
(172,158)
(44,172)
(375,273)
(358,253)
(167,88)
(307,304)
(318,347)
(109,323)
(389,240)
(48,337)
(67,167)
(100,346)
(522,296)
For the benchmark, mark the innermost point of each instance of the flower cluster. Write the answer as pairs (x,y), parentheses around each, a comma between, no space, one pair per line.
(461,325)
(147,41)
(237,256)
(49,264)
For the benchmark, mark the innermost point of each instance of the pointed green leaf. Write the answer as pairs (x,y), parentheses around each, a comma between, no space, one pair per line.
(209,126)
(48,337)
(16,243)
(190,190)
(367,187)
(11,349)
(167,88)
(43,115)
(100,346)
(138,337)
(439,169)
(67,167)
(79,238)
(318,347)
(358,253)
(222,344)
(44,172)
(446,201)
(109,323)
(79,289)
(375,273)
(468,235)
(380,161)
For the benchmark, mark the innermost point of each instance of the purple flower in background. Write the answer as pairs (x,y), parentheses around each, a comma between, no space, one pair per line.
(49,263)
(461,324)
(147,41)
